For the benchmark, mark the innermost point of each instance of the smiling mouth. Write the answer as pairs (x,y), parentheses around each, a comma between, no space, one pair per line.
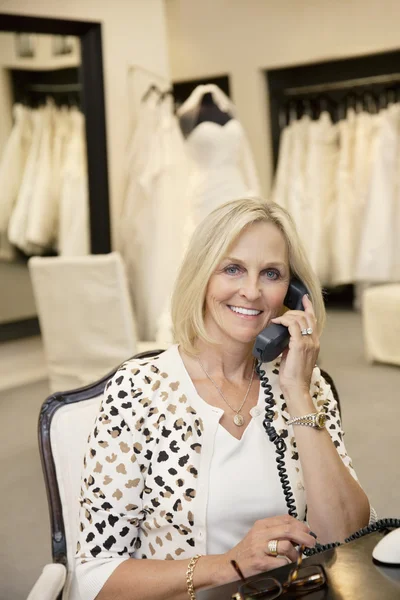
(249,312)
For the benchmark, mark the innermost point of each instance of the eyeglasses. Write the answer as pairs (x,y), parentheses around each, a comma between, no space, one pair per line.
(301,580)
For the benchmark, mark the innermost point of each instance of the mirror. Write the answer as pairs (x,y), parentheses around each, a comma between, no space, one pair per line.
(52,124)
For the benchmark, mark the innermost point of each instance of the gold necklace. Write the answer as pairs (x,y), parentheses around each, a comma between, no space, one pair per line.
(238,418)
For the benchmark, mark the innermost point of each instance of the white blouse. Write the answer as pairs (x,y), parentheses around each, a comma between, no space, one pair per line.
(244,485)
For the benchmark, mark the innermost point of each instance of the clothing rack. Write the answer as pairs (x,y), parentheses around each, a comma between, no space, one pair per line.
(55,88)
(33,87)
(343,85)
(369,83)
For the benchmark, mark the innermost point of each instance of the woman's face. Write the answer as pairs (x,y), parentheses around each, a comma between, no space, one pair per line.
(249,285)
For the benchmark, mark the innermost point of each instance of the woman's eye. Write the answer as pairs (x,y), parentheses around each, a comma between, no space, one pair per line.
(272,274)
(232,270)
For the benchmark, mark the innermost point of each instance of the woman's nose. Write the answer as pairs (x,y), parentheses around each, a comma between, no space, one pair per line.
(250,289)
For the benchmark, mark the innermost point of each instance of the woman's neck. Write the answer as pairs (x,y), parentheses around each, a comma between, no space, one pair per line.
(233,364)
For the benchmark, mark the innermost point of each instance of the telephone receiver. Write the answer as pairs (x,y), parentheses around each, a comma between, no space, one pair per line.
(273,339)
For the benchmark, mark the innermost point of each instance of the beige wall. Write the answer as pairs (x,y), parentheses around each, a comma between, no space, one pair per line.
(245,37)
(133,33)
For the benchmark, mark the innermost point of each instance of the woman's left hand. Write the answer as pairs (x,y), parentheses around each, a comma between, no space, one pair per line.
(299,358)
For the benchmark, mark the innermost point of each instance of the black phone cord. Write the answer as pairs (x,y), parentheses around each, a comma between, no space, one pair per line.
(380,525)
(280,448)
(280,444)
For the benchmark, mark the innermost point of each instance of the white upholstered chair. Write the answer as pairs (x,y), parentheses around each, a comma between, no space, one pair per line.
(380,307)
(65,421)
(85,315)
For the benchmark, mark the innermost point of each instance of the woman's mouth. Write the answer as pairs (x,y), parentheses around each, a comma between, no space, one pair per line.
(245,312)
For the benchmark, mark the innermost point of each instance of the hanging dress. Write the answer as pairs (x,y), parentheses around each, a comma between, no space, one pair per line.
(321,166)
(280,189)
(40,227)
(376,255)
(344,211)
(135,223)
(298,199)
(165,181)
(74,226)
(19,218)
(12,165)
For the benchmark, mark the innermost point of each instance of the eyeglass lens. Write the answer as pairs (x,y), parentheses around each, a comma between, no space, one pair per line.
(308,579)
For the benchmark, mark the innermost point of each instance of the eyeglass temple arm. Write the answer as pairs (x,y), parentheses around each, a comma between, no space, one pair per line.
(242,577)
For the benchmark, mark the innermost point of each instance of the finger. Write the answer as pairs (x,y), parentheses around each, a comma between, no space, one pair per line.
(309,312)
(278,561)
(285,548)
(293,534)
(295,323)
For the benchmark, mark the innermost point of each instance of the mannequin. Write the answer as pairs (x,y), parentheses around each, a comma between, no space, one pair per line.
(207,111)
(221,165)
(221,161)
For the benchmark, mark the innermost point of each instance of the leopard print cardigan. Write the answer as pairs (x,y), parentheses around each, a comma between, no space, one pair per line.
(144,487)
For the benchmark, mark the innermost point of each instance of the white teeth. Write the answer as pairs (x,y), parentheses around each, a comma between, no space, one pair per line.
(245,311)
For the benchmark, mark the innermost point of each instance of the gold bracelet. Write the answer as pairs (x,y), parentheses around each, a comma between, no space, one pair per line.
(189,576)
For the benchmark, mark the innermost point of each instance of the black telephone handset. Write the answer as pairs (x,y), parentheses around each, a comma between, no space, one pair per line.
(274,338)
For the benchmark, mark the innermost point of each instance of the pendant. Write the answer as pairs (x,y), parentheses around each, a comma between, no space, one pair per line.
(238,420)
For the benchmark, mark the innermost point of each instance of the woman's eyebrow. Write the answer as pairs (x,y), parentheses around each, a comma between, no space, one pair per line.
(272,263)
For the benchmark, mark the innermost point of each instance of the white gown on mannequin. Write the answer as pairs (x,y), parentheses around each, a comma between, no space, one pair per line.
(221,162)
(217,175)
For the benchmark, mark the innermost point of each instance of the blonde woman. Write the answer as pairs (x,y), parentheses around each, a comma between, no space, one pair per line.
(179,468)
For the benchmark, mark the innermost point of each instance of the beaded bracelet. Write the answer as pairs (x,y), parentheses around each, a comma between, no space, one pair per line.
(189,576)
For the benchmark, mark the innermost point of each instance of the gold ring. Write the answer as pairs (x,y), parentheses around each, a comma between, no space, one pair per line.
(273,547)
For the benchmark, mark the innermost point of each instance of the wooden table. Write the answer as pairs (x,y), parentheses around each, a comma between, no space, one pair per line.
(350,570)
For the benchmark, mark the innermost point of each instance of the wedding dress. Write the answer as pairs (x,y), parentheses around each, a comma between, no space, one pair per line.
(154,213)
(221,162)
(345,209)
(377,261)
(12,167)
(74,219)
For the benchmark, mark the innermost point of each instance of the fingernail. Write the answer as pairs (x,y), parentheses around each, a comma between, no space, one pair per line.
(313,534)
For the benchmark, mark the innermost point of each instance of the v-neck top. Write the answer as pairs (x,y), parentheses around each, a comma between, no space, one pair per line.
(244,485)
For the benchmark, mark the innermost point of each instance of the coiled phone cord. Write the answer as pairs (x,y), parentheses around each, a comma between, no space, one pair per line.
(280,448)
(280,444)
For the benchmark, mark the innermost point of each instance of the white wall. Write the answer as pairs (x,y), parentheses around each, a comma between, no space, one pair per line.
(133,32)
(245,37)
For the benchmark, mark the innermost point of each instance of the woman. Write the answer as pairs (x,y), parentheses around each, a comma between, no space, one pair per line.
(179,465)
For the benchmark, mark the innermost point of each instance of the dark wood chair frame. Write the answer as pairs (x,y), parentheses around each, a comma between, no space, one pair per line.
(49,408)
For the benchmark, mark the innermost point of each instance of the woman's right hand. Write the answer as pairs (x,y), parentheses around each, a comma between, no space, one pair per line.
(251,553)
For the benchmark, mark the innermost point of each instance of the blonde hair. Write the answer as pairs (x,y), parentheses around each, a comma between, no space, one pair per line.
(210,243)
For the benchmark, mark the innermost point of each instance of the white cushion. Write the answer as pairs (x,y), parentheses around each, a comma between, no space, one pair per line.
(85,316)
(49,584)
(70,428)
(381,323)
